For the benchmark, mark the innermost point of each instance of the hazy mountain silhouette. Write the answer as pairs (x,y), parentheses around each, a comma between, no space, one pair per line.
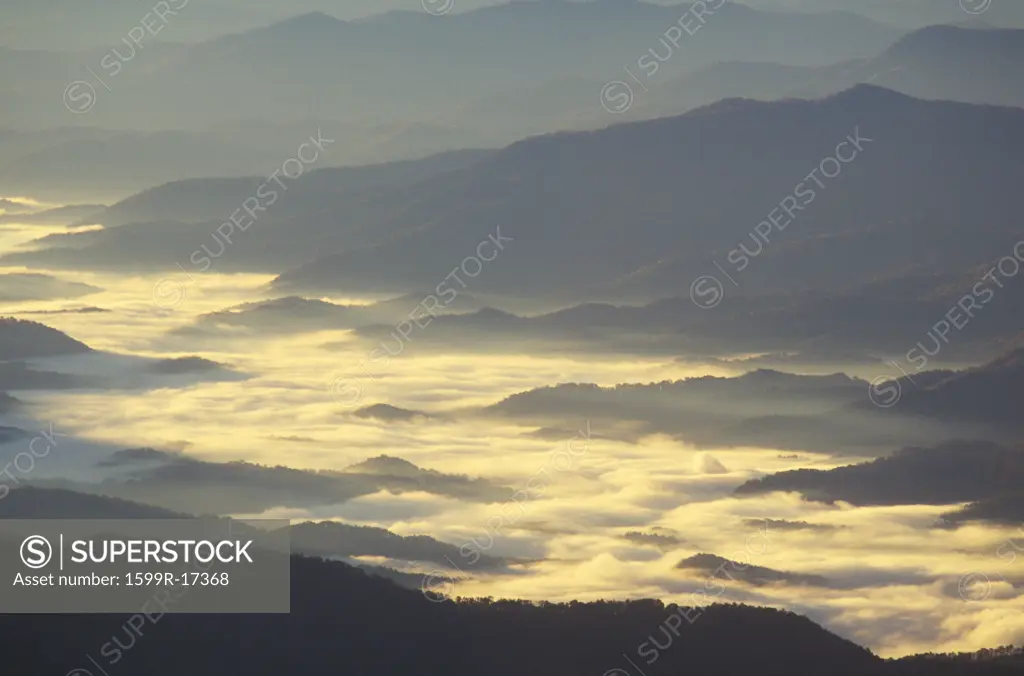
(938,62)
(991,393)
(19,376)
(1007,508)
(18,287)
(324,539)
(53,503)
(13,207)
(406,62)
(461,105)
(186,365)
(294,314)
(328,539)
(565,202)
(784,525)
(9,404)
(388,413)
(205,200)
(751,574)
(953,472)
(181,483)
(767,409)
(910,13)
(21,339)
(587,209)
(75,213)
(121,163)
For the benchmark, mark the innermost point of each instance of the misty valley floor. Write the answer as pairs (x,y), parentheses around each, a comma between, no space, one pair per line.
(886,572)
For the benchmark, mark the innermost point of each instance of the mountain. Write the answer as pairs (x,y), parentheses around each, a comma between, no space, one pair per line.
(18,376)
(38,503)
(757,576)
(953,63)
(337,610)
(368,112)
(642,204)
(991,393)
(206,200)
(66,24)
(67,215)
(294,314)
(21,339)
(20,287)
(324,539)
(949,63)
(911,13)
(828,328)
(15,207)
(388,413)
(8,404)
(1003,509)
(182,483)
(643,199)
(947,474)
(181,365)
(124,162)
(328,540)
(405,63)
(764,409)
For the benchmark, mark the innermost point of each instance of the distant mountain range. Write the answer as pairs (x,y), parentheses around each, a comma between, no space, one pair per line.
(654,203)
(406,62)
(952,473)
(186,484)
(911,13)
(765,408)
(409,100)
(939,62)
(638,209)
(125,111)
(66,24)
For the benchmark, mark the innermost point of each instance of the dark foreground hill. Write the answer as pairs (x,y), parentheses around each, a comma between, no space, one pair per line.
(345,621)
